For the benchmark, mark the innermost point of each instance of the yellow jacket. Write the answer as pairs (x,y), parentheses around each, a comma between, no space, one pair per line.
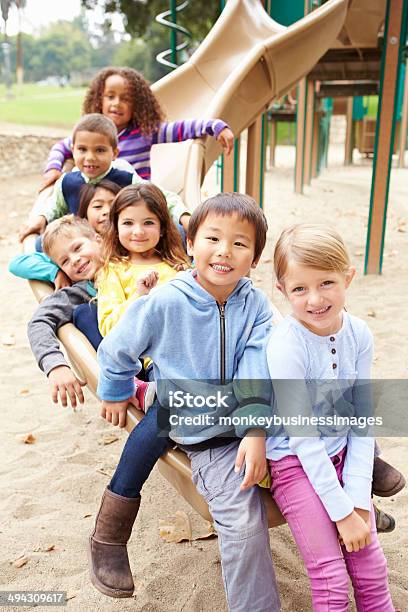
(117,289)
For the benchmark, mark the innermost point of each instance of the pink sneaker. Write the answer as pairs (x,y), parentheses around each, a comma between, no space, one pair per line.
(145,394)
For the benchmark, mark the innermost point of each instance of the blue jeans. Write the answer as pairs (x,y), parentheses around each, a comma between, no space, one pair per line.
(85,319)
(143,448)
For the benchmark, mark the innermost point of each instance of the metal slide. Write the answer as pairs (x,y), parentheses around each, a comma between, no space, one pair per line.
(245,62)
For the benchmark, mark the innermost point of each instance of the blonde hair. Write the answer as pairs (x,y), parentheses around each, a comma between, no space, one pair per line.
(66,226)
(316,246)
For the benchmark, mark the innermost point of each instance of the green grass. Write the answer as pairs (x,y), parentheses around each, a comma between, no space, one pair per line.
(36,105)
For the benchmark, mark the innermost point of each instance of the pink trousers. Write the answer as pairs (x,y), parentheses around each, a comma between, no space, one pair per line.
(328,564)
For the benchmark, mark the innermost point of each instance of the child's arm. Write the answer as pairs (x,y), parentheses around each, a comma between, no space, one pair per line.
(287,361)
(252,385)
(119,353)
(59,153)
(53,312)
(34,266)
(45,210)
(177,131)
(252,389)
(358,465)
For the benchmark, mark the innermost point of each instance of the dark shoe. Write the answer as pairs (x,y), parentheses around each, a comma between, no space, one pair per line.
(387,480)
(108,558)
(385,523)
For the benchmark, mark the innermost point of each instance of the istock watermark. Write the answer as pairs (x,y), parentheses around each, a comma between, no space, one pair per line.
(181,399)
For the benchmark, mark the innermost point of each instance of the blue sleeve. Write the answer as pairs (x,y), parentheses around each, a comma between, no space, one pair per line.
(119,352)
(34,266)
(252,386)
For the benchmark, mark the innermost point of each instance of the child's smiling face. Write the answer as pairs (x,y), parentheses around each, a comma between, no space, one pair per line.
(223,251)
(93,153)
(138,230)
(317,297)
(99,208)
(116,102)
(77,255)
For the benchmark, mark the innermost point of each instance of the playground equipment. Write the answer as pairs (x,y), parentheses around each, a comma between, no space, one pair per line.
(175,48)
(244,63)
(357,64)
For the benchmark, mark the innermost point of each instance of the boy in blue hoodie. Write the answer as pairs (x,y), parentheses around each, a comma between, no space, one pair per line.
(209,324)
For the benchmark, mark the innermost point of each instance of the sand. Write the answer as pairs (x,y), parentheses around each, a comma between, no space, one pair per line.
(50,490)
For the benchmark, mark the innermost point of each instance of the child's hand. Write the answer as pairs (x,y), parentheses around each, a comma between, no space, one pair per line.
(37,227)
(61,280)
(115,412)
(252,451)
(365,515)
(49,178)
(147,281)
(226,140)
(64,383)
(185,220)
(354,532)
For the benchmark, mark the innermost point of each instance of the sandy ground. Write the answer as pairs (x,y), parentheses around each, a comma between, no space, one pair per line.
(50,490)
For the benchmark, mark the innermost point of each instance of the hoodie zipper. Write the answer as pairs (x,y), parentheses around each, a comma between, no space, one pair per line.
(221,309)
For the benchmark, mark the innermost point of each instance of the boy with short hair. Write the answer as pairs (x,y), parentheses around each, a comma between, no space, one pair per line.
(94,149)
(208,324)
(72,243)
(76,248)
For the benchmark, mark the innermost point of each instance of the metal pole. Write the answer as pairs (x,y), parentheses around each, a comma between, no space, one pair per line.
(173,32)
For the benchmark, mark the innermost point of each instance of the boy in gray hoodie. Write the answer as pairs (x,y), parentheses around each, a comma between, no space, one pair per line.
(209,324)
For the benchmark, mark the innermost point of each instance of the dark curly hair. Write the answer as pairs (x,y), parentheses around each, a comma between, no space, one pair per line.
(147,112)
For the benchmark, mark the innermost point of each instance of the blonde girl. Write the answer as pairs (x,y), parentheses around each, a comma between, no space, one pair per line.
(321,478)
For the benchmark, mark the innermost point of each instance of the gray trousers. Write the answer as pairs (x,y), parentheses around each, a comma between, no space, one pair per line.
(240,520)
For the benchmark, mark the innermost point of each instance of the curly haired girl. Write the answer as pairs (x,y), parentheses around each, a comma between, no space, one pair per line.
(125,96)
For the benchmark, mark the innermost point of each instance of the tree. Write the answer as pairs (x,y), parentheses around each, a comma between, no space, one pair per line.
(140,53)
(138,15)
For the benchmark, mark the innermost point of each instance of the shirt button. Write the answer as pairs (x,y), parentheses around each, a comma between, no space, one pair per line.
(334,366)
(333,351)
(332,338)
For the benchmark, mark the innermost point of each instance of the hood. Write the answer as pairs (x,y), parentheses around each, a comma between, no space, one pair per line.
(186,282)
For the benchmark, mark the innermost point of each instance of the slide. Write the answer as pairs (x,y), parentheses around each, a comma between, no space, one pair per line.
(245,62)
(371,13)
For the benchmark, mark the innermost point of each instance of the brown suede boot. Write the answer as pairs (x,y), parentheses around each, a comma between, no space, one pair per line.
(108,558)
(384,522)
(387,480)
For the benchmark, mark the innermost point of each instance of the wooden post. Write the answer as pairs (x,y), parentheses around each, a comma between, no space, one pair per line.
(300,135)
(253,162)
(310,103)
(404,123)
(315,144)
(397,11)
(231,168)
(273,125)
(349,145)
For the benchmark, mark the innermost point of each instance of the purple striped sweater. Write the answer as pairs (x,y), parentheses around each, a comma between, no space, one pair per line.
(135,147)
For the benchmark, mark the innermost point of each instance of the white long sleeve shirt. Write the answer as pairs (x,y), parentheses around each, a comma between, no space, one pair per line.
(316,367)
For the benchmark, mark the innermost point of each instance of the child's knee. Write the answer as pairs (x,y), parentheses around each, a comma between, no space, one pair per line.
(330,583)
